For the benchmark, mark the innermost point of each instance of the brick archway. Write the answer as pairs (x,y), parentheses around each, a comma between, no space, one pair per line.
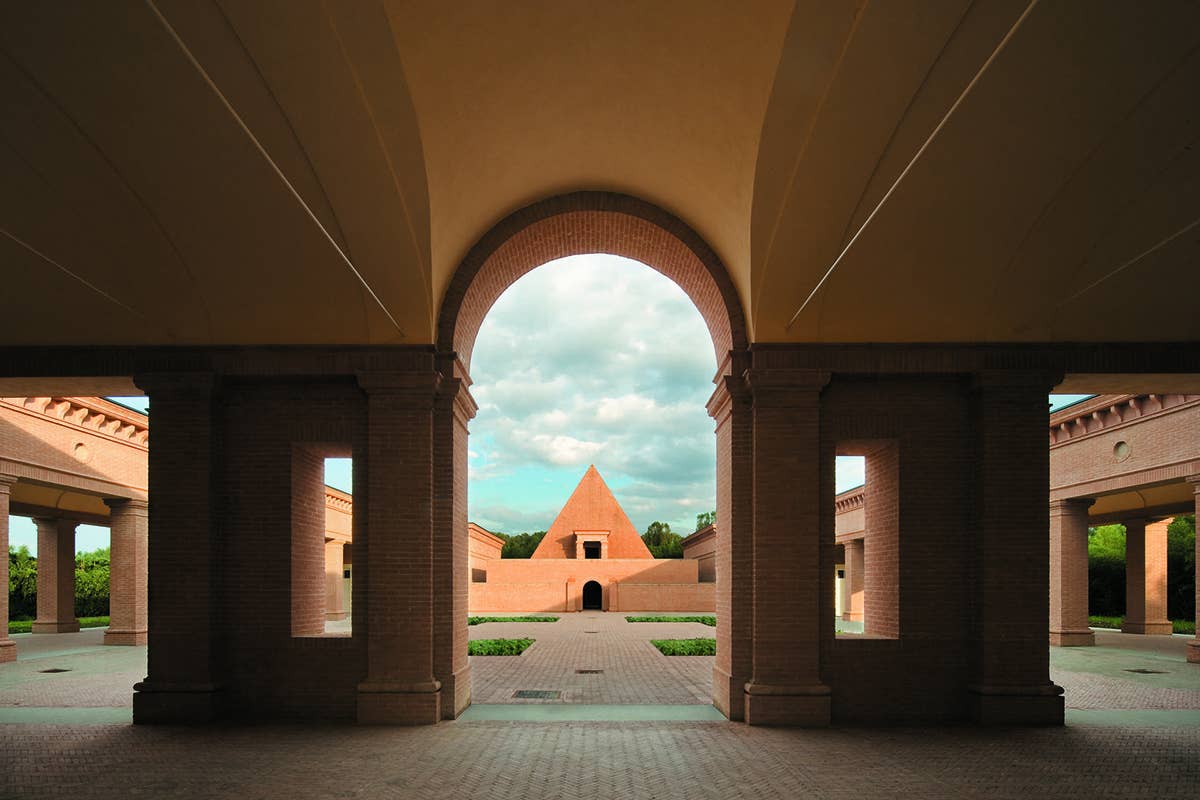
(577,224)
(582,223)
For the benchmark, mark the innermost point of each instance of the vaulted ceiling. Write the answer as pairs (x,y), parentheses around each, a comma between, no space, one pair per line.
(295,171)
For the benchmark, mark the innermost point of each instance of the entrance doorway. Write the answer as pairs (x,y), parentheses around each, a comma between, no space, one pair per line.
(593,596)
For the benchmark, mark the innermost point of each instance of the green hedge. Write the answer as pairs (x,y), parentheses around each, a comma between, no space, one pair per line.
(497,647)
(686,647)
(481,620)
(705,620)
(26,625)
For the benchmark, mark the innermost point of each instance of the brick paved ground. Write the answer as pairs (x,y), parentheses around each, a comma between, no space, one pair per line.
(487,759)
(634,670)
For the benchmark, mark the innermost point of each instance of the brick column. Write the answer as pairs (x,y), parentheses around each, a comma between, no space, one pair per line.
(786,687)
(398,566)
(8,648)
(185,641)
(1193,648)
(1069,573)
(335,606)
(128,528)
(731,409)
(455,408)
(853,586)
(1146,577)
(1010,662)
(56,576)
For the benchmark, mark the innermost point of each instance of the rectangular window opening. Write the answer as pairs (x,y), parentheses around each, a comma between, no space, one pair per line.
(322,533)
(867,534)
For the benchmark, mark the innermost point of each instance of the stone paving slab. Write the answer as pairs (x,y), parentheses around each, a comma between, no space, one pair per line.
(634,671)
(594,760)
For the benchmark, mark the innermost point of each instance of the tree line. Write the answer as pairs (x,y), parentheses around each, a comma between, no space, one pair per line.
(91,583)
(1106,569)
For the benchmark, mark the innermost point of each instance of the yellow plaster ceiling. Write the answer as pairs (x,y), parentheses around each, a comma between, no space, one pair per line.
(297,171)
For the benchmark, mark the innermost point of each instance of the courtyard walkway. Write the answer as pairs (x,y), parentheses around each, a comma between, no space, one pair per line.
(67,734)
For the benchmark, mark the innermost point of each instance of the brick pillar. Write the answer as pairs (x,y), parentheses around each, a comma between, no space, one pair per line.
(128,526)
(56,576)
(786,687)
(398,565)
(1010,662)
(881,542)
(8,648)
(185,644)
(1146,577)
(852,589)
(335,606)
(451,552)
(1193,649)
(731,409)
(1069,573)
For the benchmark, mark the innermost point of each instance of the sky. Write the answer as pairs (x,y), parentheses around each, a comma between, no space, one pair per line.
(586,360)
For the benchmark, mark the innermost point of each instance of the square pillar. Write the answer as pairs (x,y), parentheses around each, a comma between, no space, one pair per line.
(127,599)
(1069,573)
(185,648)
(786,686)
(454,409)
(1010,662)
(1193,647)
(335,607)
(400,687)
(852,589)
(1146,578)
(731,410)
(8,648)
(56,576)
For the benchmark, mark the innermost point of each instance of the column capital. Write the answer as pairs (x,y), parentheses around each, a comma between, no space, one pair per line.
(785,387)
(177,384)
(1043,380)
(1072,504)
(1194,480)
(453,395)
(126,504)
(6,483)
(414,383)
(730,392)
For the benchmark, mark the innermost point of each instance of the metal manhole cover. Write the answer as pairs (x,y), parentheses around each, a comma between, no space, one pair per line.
(536,694)
(1148,671)
(589,672)
(54,669)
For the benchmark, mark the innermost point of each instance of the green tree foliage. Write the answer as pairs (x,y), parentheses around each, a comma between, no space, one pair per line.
(661,542)
(1106,570)
(706,519)
(1181,568)
(22,583)
(521,545)
(91,583)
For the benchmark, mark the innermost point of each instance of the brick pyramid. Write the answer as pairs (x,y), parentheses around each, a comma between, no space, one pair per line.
(592,507)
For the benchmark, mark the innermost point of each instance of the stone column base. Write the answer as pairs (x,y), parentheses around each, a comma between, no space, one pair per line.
(456,693)
(125,638)
(71,626)
(158,704)
(8,651)
(1193,651)
(388,703)
(1083,638)
(796,706)
(1017,705)
(728,695)
(1158,628)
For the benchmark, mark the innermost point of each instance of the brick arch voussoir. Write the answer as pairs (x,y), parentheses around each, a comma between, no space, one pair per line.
(580,223)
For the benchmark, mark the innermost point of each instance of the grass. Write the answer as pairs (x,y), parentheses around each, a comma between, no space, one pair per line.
(709,621)
(1187,626)
(686,647)
(497,647)
(481,620)
(26,625)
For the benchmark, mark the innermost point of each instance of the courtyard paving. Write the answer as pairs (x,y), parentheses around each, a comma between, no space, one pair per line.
(67,735)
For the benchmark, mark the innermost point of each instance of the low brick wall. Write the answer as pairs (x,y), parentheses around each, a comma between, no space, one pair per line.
(666,597)
(527,597)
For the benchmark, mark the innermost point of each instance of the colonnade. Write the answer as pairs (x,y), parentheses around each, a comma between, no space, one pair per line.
(1145,574)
